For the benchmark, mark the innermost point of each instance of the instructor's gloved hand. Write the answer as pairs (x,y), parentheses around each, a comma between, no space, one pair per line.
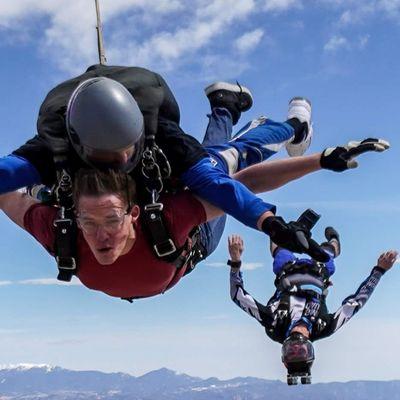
(343,157)
(294,237)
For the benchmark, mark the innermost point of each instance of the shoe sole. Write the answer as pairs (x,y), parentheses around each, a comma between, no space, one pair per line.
(230,87)
(301,98)
(331,234)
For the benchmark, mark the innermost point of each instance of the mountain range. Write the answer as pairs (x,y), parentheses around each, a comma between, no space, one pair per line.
(44,382)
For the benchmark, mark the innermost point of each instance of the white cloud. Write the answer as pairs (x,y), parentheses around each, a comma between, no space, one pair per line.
(249,40)
(363,41)
(69,34)
(12,11)
(43,281)
(336,43)
(346,18)
(162,34)
(391,7)
(48,282)
(246,266)
(207,23)
(357,13)
(251,266)
(281,5)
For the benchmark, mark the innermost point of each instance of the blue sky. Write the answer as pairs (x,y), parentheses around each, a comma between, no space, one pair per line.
(342,54)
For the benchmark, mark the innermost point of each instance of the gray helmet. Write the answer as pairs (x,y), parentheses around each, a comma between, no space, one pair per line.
(105,124)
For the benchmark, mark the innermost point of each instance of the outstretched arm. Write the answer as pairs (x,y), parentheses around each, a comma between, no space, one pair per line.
(270,175)
(353,303)
(15,205)
(273,174)
(241,203)
(238,294)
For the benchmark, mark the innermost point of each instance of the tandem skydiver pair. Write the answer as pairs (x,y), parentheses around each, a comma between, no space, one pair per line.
(75,122)
(94,120)
(127,118)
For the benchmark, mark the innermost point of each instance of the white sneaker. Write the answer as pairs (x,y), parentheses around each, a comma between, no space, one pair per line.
(300,108)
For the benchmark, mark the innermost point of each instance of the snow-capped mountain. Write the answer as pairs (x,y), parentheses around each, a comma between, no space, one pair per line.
(44,382)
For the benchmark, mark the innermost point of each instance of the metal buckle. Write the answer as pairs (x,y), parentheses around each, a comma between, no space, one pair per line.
(169,243)
(60,221)
(154,207)
(66,263)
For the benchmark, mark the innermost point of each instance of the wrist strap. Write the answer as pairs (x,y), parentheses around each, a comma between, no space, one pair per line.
(234,264)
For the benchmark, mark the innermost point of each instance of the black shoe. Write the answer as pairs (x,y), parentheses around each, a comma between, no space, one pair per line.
(332,235)
(234,97)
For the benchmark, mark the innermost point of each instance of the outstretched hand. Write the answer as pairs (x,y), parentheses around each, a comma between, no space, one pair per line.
(235,246)
(341,158)
(387,259)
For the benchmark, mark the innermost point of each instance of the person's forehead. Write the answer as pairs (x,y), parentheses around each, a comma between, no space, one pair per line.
(100,205)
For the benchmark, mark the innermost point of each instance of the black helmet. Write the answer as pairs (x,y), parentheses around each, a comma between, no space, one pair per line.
(105,124)
(298,356)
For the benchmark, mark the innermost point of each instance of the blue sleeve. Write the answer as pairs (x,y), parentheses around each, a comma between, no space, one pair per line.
(16,172)
(221,190)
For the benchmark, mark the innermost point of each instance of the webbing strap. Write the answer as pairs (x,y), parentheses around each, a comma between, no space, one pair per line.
(163,246)
(65,230)
(65,224)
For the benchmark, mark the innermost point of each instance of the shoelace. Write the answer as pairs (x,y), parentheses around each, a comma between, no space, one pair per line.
(240,93)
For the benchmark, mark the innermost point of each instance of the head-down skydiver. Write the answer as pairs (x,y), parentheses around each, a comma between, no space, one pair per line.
(297,315)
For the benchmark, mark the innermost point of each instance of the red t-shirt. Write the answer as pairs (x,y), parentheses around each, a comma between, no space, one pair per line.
(139,273)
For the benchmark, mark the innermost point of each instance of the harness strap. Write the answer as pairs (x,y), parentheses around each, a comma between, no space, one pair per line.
(65,229)
(156,168)
(317,272)
(163,246)
(305,280)
(65,224)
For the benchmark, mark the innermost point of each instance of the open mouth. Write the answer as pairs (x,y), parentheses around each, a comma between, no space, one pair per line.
(104,250)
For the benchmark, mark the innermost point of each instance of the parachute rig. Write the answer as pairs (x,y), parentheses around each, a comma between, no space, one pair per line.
(155,169)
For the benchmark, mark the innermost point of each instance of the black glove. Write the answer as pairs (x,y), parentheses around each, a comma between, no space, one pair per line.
(294,237)
(343,157)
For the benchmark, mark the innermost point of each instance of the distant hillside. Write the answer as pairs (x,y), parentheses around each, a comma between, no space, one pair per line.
(43,382)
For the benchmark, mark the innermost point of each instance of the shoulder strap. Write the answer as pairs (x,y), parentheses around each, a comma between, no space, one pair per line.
(155,169)
(65,224)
